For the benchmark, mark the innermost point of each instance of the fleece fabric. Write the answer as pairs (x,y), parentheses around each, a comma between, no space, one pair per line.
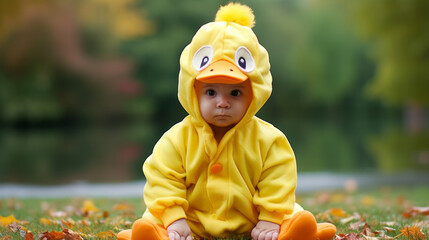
(221,188)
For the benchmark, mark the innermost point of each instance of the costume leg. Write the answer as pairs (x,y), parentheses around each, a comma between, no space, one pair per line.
(124,235)
(303,226)
(144,229)
(326,230)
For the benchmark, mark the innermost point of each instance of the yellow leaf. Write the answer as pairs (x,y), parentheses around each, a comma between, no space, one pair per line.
(338,212)
(413,232)
(123,207)
(45,221)
(368,200)
(107,234)
(88,206)
(5,221)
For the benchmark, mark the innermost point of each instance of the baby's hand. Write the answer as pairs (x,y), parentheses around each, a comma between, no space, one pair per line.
(179,230)
(265,231)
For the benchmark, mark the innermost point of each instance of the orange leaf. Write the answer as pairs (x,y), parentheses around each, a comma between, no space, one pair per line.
(414,211)
(5,221)
(45,221)
(350,236)
(106,234)
(53,235)
(338,212)
(68,223)
(70,235)
(89,207)
(123,207)
(413,232)
(29,236)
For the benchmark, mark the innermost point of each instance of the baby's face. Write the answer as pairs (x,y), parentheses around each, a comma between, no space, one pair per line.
(223,105)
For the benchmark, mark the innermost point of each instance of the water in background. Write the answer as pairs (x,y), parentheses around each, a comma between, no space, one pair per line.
(116,154)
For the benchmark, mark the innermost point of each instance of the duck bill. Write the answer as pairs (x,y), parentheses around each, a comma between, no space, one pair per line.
(222,71)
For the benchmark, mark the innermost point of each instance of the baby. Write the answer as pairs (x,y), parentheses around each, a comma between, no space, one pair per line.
(223,172)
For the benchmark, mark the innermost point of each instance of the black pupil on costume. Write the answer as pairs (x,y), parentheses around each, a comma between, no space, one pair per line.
(242,62)
(204,61)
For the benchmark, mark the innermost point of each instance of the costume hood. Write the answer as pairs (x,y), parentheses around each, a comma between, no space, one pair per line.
(229,39)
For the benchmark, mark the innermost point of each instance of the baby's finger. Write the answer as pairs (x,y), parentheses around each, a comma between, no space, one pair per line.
(173,236)
(255,234)
(275,236)
(262,236)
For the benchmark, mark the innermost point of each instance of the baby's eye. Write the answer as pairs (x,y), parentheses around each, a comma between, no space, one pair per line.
(211,92)
(235,93)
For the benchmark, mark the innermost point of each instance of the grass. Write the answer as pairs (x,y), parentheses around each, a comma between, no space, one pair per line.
(380,210)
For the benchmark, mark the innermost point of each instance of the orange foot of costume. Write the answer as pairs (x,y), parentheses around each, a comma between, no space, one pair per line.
(144,229)
(303,226)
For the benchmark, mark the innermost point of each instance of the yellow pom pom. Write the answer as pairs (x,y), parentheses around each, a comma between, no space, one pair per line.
(236,12)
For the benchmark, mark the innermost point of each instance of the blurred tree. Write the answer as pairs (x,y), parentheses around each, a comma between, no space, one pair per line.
(399,32)
(157,55)
(52,67)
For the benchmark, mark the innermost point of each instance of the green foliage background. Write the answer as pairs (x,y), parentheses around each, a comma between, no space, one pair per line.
(342,70)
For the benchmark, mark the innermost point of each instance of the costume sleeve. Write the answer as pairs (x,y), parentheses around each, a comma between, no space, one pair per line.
(275,193)
(165,189)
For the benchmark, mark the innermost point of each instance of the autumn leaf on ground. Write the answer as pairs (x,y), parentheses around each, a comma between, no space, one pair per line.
(412,232)
(337,212)
(7,237)
(414,211)
(46,221)
(53,235)
(89,207)
(14,227)
(350,236)
(70,235)
(68,223)
(5,221)
(123,207)
(106,234)
(29,236)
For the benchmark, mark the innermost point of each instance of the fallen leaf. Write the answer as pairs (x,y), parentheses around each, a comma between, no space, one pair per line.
(46,221)
(389,229)
(5,221)
(356,225)
(106,234)
(415,211)
(337,212)
(89,207)
(366,231)
(7,237)
(53,235)
(413,232)
(59,214)
(123,207)
(14,227)
(355,216)
(70,235)
(368,200)
(29,236)
(67,223)
(350,236)
(389,223)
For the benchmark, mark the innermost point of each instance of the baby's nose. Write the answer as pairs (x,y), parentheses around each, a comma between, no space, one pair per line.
(223,102)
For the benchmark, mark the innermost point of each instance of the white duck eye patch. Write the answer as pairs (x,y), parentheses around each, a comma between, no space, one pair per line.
(202,58)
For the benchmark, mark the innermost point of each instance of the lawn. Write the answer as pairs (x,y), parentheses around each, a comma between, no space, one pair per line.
(386,213)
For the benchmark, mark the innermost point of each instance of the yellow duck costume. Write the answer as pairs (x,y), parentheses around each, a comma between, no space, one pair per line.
(223,189)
